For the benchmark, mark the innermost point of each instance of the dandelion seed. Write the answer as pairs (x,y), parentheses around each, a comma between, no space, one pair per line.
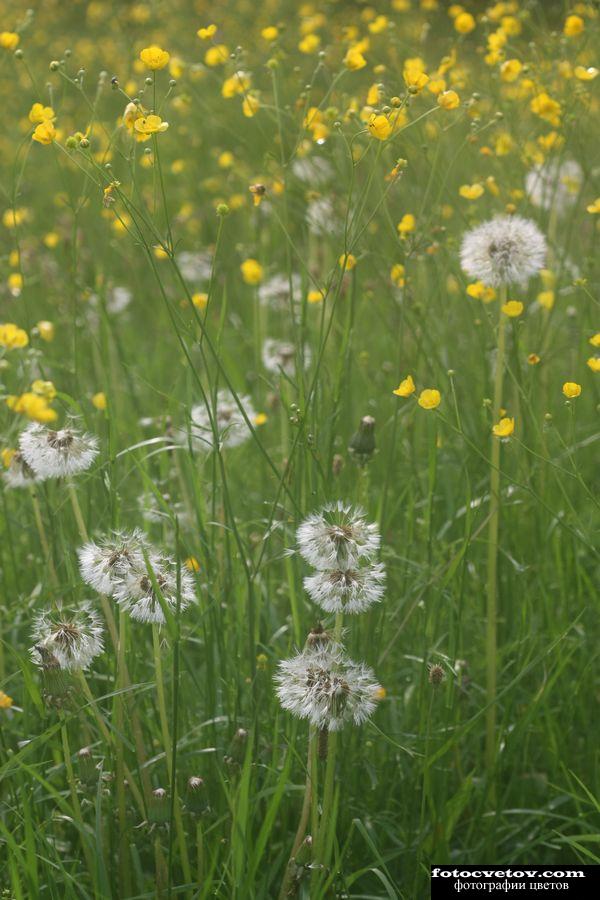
(505,250)
(101,565)
(69,639)
(57,454)
(351,590)
(325,687)
(337,537)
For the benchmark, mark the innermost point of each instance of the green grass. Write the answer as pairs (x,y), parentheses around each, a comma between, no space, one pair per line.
(196,697)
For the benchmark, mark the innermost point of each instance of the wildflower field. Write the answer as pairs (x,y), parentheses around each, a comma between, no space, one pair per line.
(299,355)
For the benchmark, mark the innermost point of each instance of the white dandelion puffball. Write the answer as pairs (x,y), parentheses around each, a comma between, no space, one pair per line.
(280,356)
(554,185)
(231,426)
(195,267)
(325,687)
(351,590)
(57,454)
(137,590)
(505,250)
(277,291)
(315,171)
(102,564)
(67,639)
(18,473)
(337,537)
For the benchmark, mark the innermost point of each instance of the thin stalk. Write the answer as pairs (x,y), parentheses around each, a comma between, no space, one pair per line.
(39,523)
(492,560)
(167,746)
(304,816)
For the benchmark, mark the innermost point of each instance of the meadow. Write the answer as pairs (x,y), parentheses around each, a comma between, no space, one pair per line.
(299,396)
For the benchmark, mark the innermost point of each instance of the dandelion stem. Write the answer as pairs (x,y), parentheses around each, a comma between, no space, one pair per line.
(492,560)
(304,816)
(77,815)
(167,746)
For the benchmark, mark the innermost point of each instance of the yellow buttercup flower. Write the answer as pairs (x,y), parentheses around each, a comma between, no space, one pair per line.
(5,701)
(594,208)
(270,33)
(480,291)
(354,59)
(595,340)
(150,124)
(44,133)
(260,418)
(406,387)
(510,70)
(314,297)
(33,406)
(513,308)
(46,330)
(6,455)
(379,127)
(40,113)
(504,428)
(12,337)
(9,40)
(310,43)
(192,564)
(155,57)
(584,74)
(430,398)
(250,105)
(571,389)
(99,400)
(594,363)
(347,261)
(252,271)
(464,23)
(206,33)
(546,108)
(217,55)
(448,100)
(200,300)
(238,83)
(406,224)
(397,274)
(471,191)
(415,79)
(533,359)
(546,299)
(574,25)
(44,389)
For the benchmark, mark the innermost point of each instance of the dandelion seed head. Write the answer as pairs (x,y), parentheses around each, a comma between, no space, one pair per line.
(324,686)
(351,590)
(280,356)
(67,639)
(102,564)
(337,537)
(19,473)
(505,250)
(57,454)
(231,427)
(554,185)
(137,589)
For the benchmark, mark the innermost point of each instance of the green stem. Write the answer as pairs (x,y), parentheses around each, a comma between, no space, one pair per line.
(167,746)
(492,560)
(304,816)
